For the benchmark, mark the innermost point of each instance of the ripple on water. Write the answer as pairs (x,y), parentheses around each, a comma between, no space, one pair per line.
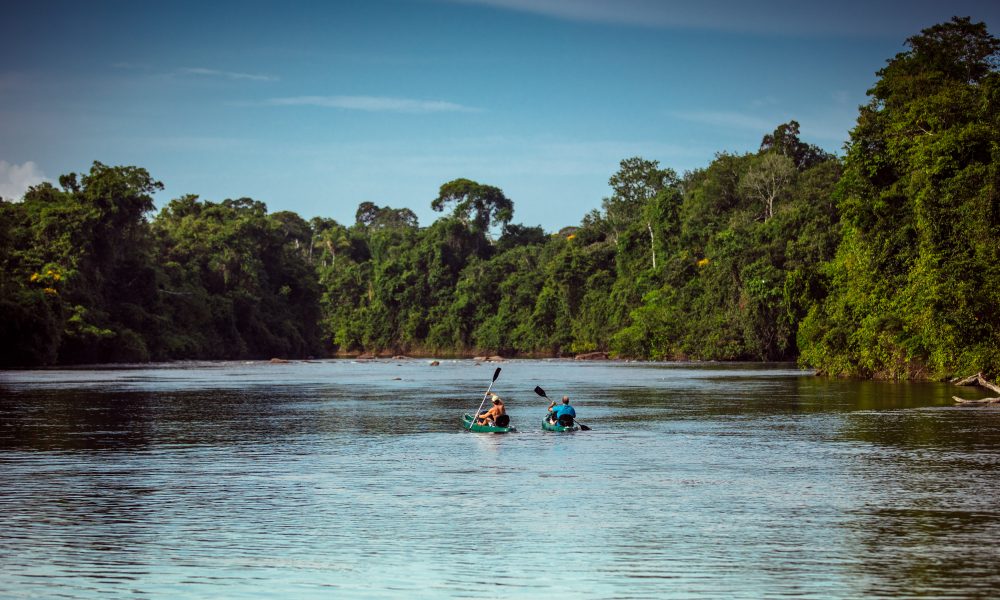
(335,478)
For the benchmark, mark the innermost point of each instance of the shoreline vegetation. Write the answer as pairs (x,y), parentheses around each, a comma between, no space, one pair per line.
(882,263)
(480,357)
(430,361)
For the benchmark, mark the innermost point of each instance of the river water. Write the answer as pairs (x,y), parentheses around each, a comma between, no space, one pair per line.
(352,479)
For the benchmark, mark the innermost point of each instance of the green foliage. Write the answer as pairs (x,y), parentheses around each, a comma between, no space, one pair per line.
(477,205)
(913,285)
(881,265)
(655,330)
(239,280)
(86,278)
(227,280)
(785,142)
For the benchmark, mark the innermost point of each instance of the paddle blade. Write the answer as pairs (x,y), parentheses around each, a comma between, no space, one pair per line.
(582,426)
(496,374)
(540,392)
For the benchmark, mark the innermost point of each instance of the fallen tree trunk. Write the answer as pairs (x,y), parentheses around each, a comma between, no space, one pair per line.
(983,401)
(981,381)
(970,380)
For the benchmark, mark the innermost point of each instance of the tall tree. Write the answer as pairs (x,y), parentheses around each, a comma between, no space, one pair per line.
(913,289)
(767,179)
(370,214)
(477,205)
(87,250)
(785,141)
(636,184)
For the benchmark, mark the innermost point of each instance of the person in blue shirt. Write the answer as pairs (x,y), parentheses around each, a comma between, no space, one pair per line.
(556,413)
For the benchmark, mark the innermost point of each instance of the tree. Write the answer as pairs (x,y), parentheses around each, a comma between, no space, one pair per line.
(913,285)
(478,206)
(370,214)
(330,238)
(81,269)
(635,185)
(767,179)
(785,141)
(239,283)
(515,235)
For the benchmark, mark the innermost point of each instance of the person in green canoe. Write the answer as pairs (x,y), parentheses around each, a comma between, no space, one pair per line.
(563,413)
(492,416)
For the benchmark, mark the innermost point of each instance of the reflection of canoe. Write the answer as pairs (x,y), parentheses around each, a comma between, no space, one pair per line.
(557,427)
(468,424)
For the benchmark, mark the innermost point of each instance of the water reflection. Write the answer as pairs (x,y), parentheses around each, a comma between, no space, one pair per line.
(74,420)
(927,480)
(356,479)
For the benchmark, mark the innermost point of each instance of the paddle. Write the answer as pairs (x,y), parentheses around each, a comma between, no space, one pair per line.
(541,393)
(486,395)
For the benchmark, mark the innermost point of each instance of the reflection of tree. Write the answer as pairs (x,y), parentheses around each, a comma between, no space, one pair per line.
(933,534)
(76,420)
(935,543)
(923,490)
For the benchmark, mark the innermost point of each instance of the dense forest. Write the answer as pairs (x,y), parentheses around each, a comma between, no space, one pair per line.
(881,263)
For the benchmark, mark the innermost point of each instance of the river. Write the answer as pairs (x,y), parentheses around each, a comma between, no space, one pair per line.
(353,479)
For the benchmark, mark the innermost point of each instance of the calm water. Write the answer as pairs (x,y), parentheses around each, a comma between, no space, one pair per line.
(354,480)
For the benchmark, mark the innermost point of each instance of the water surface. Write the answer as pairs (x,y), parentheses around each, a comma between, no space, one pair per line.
(354,480)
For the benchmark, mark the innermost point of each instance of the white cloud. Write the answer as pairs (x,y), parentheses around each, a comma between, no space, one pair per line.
(373,104)
(203,72)
(193,143)
(130,66)
(844,97)
(770,17)
(727,119)
(829,126)
(499,160)
(764,102)
(16,179)
(13,81)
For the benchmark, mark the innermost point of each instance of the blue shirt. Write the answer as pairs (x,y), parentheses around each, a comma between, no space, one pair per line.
(563,409)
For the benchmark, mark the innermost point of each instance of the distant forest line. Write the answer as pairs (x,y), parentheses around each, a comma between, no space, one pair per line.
(883,263)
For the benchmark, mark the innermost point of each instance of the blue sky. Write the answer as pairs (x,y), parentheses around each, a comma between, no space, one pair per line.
(316,107)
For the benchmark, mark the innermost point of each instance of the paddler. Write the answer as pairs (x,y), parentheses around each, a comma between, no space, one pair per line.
(490,416)
(556,413)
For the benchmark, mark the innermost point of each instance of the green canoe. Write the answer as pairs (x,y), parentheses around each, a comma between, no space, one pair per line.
(468,424)
(557,427)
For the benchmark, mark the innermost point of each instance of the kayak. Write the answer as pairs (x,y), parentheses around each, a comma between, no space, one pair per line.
(557,427)
(468,424)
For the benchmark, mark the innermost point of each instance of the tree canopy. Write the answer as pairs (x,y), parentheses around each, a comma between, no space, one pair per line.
(478,206)
(882,263)
(913,285)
